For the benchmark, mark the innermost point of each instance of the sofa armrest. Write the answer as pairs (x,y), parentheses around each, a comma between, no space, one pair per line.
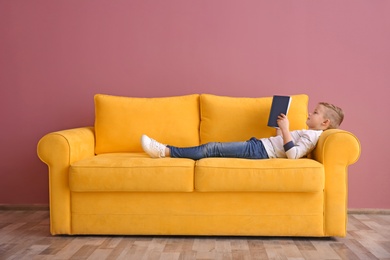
(59,150)
(336,150)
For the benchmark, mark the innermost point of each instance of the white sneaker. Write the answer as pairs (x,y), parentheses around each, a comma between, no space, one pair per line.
(152,147)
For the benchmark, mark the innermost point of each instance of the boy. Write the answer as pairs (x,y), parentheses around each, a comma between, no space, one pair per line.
(286,144)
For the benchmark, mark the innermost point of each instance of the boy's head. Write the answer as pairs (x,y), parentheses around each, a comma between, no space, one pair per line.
(334,114)
(325,116)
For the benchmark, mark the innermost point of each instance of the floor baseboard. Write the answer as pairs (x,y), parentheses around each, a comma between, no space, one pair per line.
(369,211)
(24,207)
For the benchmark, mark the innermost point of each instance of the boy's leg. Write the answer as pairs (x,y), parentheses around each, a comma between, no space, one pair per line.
(251,149)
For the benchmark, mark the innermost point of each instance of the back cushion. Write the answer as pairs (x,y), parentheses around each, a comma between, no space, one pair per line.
(227,119)
(120,121)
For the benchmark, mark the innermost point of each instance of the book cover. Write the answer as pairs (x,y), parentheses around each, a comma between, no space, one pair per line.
(280,105)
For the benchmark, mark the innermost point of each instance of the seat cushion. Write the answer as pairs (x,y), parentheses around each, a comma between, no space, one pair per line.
(270,175)
(227,119)
(120,121)
(128,172)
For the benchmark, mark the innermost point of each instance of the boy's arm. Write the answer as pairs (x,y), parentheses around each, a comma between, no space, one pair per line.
(284,126)
(304,143)
(294,151)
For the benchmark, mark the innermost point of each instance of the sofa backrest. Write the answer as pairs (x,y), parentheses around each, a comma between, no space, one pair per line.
(227,119)
(185,120)
(120,121)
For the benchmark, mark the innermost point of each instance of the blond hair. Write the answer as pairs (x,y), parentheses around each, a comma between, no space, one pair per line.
(334,114)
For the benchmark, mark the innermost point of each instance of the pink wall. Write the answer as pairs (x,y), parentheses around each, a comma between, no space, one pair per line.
(55,55)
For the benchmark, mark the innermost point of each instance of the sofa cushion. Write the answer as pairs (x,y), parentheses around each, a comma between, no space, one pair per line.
(226,119)
(131,172)
(271,175)
(120,121)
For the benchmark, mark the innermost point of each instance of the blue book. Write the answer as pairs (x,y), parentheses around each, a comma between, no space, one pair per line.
(280,105)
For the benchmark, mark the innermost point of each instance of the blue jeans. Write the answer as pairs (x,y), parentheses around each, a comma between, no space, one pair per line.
(251,149)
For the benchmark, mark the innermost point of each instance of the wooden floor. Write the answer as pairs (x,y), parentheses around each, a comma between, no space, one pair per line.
(24,234)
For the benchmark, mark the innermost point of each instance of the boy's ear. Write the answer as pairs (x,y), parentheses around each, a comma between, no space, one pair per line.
(326,123)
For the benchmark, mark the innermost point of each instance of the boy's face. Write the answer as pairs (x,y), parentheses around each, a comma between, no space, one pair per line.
(317,120)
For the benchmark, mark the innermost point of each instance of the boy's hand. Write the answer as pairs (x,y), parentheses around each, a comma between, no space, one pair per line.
(283,122)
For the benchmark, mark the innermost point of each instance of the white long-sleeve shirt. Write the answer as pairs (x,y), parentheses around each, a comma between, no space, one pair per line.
(304,142)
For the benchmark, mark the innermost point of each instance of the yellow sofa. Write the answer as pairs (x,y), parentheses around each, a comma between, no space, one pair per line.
(101,182)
